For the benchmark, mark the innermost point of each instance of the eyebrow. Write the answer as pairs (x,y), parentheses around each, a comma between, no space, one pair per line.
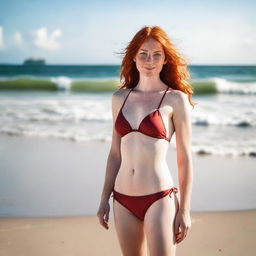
(147,50)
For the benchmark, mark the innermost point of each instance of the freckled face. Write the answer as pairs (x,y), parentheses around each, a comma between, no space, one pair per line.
(150,58)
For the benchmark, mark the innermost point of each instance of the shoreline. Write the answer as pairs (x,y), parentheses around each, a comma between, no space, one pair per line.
(66,180)
(61,181)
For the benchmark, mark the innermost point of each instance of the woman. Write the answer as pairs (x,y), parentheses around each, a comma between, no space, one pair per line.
(156,102)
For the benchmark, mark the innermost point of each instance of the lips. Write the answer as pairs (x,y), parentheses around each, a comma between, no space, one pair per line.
(148,68)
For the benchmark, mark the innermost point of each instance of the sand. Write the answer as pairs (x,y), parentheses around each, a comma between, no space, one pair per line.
(51,177)
(50,190)
(215,233)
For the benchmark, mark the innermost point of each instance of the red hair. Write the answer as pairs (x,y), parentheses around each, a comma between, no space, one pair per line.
(174,73)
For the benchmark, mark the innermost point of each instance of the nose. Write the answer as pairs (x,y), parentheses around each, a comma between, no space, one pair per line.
(149,58)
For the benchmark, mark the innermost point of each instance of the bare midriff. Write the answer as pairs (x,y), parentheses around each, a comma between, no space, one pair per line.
(143,168)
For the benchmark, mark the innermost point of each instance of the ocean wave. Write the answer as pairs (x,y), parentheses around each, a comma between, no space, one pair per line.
(218,85)
(54,134)
(83,137)
(210,150)
(209,121)
(230,87)
(62,83)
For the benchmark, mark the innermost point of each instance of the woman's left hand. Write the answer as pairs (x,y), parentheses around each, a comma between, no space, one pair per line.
(182,225)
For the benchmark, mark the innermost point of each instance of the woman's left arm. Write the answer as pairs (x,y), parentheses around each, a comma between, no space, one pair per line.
(183,133)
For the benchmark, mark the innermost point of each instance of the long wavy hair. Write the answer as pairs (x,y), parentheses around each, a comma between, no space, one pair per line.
(174,73)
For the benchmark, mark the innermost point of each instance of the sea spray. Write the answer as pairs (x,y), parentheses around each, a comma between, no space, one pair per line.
(63,83)
(225,86)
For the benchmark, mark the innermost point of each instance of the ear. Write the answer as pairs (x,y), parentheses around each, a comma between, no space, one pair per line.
(134,59)
(165,61)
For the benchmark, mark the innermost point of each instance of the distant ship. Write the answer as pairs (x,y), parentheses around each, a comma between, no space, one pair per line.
(32,61)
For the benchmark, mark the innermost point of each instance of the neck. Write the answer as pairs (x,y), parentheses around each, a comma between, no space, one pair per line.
(148,84)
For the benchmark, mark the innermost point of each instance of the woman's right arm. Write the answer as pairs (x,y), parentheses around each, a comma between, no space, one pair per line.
(113,165)
(114,157)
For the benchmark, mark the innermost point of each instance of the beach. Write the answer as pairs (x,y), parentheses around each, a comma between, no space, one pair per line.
(48,177)
(66,69)
(229,233)
(50,190)
(55,136)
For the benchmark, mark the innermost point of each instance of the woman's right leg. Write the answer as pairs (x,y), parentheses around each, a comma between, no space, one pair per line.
(130,231)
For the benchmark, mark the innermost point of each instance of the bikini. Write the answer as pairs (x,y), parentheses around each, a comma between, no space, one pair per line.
(152,125)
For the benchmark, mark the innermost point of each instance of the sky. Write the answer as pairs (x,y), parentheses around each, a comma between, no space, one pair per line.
(94,32)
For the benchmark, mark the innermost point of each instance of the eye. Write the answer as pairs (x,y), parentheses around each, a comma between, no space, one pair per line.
(158,54)
(143,53)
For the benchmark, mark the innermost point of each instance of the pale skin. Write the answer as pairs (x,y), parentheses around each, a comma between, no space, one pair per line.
(137,165)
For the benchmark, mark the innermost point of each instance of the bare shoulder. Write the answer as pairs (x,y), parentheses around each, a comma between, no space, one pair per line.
(119,96)
(179,99)
(120,93)
(178,95)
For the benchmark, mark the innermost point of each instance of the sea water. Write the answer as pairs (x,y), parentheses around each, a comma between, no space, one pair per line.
(223,123)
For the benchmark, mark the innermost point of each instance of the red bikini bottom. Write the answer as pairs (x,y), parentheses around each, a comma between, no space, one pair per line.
(139,205)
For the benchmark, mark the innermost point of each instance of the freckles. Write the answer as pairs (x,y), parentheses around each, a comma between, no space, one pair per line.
(158,58)
(142,58)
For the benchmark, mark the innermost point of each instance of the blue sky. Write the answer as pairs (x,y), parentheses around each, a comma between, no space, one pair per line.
(92,32)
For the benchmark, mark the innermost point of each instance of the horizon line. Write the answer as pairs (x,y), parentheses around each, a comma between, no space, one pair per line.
(116,64)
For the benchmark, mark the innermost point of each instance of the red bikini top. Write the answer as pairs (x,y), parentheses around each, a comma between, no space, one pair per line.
(152,125)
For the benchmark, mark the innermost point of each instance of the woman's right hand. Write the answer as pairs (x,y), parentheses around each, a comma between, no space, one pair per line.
(103,213)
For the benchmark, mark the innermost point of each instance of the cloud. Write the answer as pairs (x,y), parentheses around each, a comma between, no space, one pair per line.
(47,41)
(18,38)
(1,38)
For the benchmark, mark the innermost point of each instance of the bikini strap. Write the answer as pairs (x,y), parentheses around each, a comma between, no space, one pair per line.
(174,190)
(127,97)
(163,97)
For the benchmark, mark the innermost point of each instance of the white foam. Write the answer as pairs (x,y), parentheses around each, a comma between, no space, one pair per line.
(88,117)
(63,83)
(225,86)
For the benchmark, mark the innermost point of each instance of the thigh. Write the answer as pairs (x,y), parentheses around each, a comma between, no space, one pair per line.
(130,231)
(159,226)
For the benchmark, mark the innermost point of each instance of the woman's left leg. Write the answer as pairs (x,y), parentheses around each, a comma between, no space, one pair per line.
(159,226)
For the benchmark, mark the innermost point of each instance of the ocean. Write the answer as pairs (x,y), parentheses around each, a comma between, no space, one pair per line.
(44,175)
(73,102)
